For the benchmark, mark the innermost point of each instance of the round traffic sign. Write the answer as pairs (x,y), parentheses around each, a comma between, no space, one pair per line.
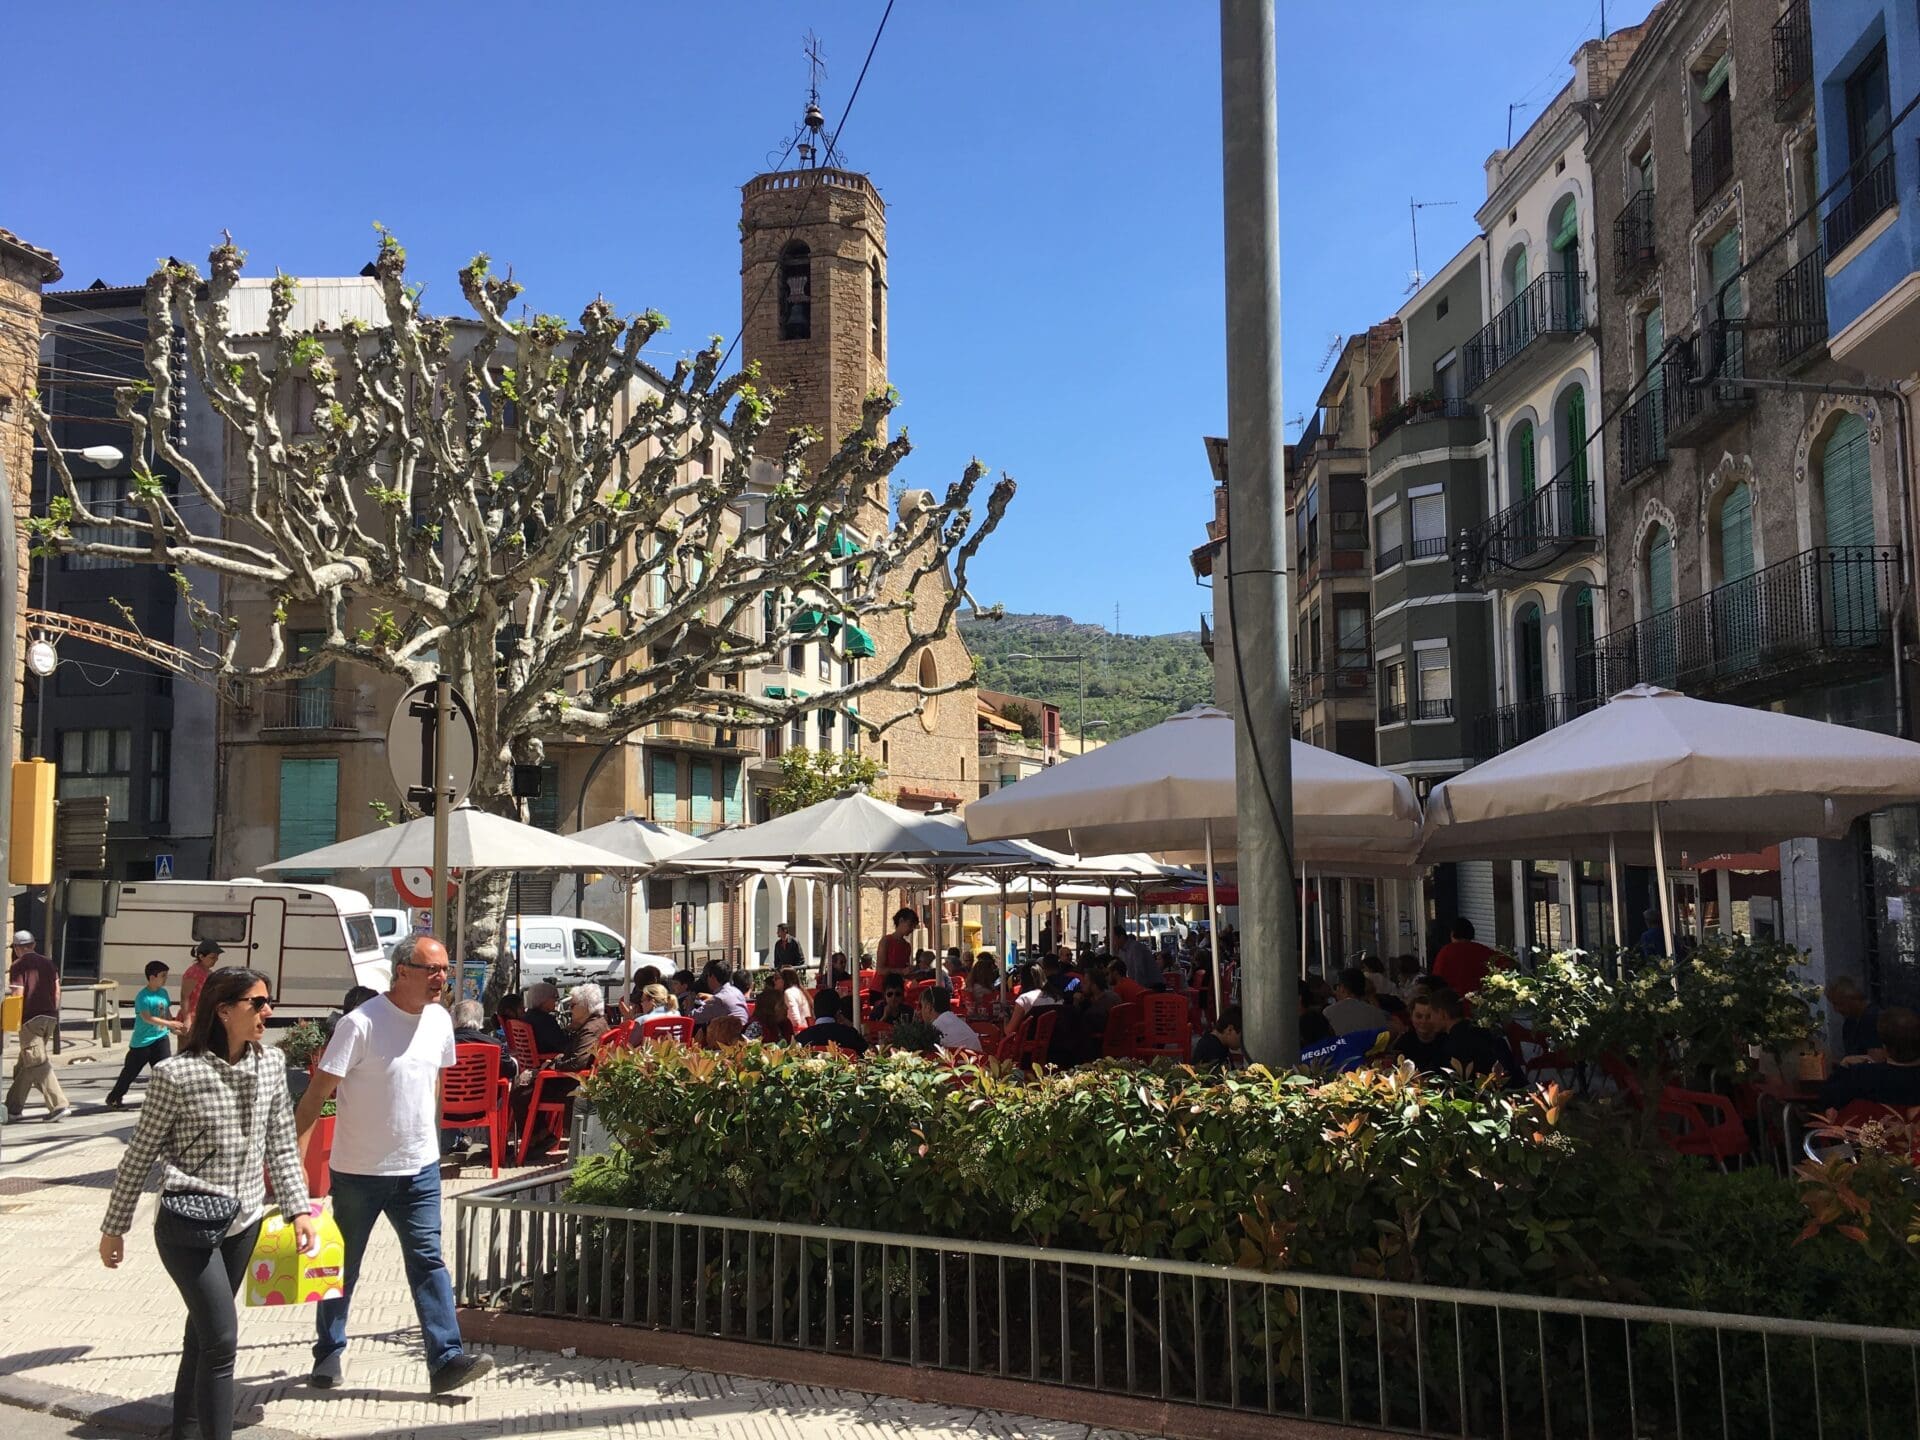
(414,885)
(410,736)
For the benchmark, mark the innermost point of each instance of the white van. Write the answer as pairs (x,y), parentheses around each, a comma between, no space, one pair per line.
(565,950)
(392,926)
(313,942)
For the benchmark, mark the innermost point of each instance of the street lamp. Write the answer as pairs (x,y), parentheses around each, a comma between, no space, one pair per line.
(1081,661)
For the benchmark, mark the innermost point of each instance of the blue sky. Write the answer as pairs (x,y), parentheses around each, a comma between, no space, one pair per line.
(1052,169)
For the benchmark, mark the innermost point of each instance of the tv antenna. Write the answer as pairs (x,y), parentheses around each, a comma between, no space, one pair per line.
(1516,105)
(1418,277)
(1334,339)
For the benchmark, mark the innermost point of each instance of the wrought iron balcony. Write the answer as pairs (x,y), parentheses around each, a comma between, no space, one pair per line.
(1704,382)
(1393,712)
(1792,60)
(1764,634)
(1800,300)
(1515,545)
(1643,434)
(1343,682)
(1554,304)
(1633,241)
(1500,730)
(1433,709)
(306,707)
(1713,152)
(1385,560)
(1872,191)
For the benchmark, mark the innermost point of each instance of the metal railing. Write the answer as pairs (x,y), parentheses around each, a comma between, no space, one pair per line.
(1428,546)
(1643,434)
(1792,59)
(1385,560)
(1800,303)
(1433,709)
(1500,730)
(1703,376)
(1343,682)
(1814,607)
(1554,304)
(1332,418)
(1872,191)
(1392,712)
(305,707)
(1633,240)
(1439,407)
(1420,1359)
(1713,152)
(1527,533)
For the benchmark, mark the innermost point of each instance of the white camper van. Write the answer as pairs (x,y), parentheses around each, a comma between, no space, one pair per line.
(312,942)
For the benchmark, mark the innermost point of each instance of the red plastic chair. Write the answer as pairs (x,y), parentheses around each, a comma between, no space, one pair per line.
(474,1096)
(1028,1046)
(556,1108)
(520,1045)
(917,988)
(1121,1039)
(1709,1125)
(616,1037)
(664,1027)
(1163,1029)
(1533,1052)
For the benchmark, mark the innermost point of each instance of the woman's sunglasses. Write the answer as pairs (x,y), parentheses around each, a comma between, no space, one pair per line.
(256,1003)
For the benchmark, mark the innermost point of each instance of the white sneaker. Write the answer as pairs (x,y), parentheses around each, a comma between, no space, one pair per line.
(329,1372)
(61,1113)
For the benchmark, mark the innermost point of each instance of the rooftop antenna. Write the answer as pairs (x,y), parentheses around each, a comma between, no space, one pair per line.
(1414,207)
(814,121)
(1516,105)
(1334,339)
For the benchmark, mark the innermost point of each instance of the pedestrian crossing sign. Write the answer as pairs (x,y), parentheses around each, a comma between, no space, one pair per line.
(163,867)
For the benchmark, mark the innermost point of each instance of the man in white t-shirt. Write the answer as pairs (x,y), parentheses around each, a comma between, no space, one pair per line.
(936,1008)
(383,1068)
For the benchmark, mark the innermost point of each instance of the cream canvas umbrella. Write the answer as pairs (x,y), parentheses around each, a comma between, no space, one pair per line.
(648,844)
(1692,773)
(856,835)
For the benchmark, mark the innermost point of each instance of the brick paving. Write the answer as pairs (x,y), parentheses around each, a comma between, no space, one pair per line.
(69,1327)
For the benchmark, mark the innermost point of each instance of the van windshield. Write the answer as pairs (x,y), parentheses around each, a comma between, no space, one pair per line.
(360,933)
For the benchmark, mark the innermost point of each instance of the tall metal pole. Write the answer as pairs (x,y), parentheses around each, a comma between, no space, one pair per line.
(1256,531)
(442,727)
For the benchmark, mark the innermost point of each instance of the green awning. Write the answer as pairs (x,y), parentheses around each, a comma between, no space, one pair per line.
(840,546)
(859,644)
(1569,231)
(806,621)
(1716,77)
(776,692)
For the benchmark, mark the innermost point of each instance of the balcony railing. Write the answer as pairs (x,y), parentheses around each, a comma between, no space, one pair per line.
(1554,304)
(1500,730)
(1800,298)
(1643,434)
(1343,682)
(1633,240)
(1713,152)
(1385,560)
(1705,386)
(1420,410)
(307,707)
(1814,608)
(1792,60)
(1872,191)
(1426,547)
(1433,709)
(1528,534)
(1392,713)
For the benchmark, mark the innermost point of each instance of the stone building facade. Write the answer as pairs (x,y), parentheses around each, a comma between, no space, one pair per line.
(1756,536)
(25,270)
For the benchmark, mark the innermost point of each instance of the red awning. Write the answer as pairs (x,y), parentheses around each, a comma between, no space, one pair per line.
(1195,895)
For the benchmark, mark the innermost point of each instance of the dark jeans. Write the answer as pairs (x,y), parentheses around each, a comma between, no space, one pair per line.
(208,1281)
(139,1057)
(411,1204)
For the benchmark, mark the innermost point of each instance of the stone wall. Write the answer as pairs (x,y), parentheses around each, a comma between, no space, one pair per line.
(24,270)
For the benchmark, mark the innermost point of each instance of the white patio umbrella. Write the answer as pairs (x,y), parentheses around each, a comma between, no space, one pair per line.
(855,835)
(1172,790)
(649,844)
(1707,777)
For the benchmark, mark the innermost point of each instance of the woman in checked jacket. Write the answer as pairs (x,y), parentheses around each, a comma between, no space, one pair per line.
(218,1117)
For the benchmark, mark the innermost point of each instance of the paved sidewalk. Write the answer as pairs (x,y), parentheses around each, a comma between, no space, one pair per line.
(88,1342)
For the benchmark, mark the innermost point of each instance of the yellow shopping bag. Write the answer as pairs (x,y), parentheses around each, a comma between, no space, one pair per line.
(278,1274)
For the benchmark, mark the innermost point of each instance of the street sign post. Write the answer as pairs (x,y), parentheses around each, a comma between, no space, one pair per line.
(432,749)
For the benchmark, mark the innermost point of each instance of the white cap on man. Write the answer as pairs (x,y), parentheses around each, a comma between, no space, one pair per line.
(23,937)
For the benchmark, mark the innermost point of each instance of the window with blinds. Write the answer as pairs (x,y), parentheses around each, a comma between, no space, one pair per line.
(1429,525)
(309,806)
(664,775)
(700,793)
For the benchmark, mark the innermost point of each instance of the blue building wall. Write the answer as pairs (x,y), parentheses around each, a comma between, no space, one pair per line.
(1844,34)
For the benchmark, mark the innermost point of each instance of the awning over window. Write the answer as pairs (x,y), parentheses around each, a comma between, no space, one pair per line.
(859,644)
(776,692)
(807,620)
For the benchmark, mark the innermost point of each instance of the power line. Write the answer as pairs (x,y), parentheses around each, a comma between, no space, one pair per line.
(833,148)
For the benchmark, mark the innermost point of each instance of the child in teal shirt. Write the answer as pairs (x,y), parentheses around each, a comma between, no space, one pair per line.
(153,1022)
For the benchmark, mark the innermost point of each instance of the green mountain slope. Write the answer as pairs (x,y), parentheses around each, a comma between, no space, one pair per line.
(1133,681)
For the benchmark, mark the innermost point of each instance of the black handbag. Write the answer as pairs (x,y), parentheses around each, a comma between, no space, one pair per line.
(193,1219)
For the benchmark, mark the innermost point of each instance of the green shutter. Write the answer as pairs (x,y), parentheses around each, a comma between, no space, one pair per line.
(702,791)
(1846,483)
(1722,264)
(1660,571)
(1716,78)
(1523,460)
(1568,232)
(1646,171)
(666,789)
(309,805)
(733,798)
(1519,276)
(1736,535)
(1654,327)
(1577,461)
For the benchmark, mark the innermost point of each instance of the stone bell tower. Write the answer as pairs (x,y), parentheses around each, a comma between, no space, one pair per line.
(813,293)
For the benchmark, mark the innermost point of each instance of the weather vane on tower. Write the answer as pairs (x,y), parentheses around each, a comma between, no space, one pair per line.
(815,122)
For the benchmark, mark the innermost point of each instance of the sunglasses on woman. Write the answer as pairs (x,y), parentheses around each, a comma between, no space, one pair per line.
(256,1003)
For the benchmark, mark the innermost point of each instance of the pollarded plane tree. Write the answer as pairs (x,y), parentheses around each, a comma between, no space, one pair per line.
(528,503)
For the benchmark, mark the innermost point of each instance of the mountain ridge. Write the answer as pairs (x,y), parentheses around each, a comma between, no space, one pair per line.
(1133,681)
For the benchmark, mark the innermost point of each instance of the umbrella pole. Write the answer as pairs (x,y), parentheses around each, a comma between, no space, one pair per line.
(633,884)
(1660,877)
(1420,917)
(1613,890)
(1213,930)
(1320,920)
(1303,924)
(458,950)
(1005,981)
(853,955)
(1573,903)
